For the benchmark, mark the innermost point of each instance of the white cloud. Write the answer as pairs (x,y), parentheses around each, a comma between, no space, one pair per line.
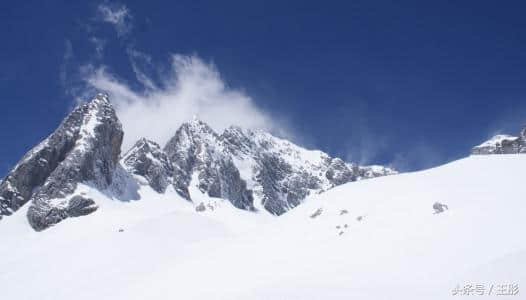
(190,87)
(118,15)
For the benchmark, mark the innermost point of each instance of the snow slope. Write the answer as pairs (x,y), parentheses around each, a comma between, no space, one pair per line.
(389,244)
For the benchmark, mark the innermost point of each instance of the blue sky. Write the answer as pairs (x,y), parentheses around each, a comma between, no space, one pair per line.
(409,83)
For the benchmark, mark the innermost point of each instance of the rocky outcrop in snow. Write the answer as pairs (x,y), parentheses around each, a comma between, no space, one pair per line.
(372,171)
(85,148)
(502,144)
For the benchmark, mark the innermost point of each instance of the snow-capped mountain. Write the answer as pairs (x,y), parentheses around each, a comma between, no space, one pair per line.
(252,169)
(85,148)
(503,144)
(189,220)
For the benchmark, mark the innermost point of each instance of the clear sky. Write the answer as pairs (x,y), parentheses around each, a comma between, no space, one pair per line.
(409,83)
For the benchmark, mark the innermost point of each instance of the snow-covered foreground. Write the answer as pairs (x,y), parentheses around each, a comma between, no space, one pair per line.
(389,244)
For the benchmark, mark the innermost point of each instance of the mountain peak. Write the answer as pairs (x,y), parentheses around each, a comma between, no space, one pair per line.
(502,144)
(84,148)
(252,169)
(147,160)
(102,97)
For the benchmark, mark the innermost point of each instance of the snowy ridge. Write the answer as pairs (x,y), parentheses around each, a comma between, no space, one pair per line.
(269,173)
(252,169)
(502,144)
(496,140)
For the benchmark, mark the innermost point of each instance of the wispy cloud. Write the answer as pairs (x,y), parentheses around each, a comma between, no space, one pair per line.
(139,62)
(190,87)
(68,55)
(99,45)
(117,15)
(417,156)
(163,95)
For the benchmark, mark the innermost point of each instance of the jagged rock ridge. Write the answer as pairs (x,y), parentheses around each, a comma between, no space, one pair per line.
(503,144)
(272,173)
(147,160)
(84,148)
(250,168)
(198,155)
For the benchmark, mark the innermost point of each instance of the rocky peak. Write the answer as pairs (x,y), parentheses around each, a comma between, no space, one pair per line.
(499,144)
(84,148)
(239,141)
(147,160)
(282,174)
(197,154)
(503,144)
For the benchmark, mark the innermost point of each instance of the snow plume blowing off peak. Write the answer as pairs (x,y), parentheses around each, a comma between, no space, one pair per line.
(191,87)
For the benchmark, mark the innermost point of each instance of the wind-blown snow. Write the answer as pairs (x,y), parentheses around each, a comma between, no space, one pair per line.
(374,239)
(496,140)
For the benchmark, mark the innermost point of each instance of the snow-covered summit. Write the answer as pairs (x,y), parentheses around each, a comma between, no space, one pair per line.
(84,148)
(251,169)
(503,144)
(272,173)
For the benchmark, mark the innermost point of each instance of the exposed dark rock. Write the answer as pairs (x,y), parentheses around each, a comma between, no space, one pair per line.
(201,207)
(146,159)
(195,150)
(85,148)
(439,207)
(339,172)
(502,144)
(283,174)
(240,165)
(316,213)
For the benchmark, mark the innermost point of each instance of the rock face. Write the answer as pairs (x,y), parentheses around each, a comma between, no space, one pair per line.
(148,160)
(502,144)
(198,157)
(85,148)
(250,168)
(282,174)
(254,168)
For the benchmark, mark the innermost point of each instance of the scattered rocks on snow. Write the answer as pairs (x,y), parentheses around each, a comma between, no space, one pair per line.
(317,213)
(201,207)
(439,207)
